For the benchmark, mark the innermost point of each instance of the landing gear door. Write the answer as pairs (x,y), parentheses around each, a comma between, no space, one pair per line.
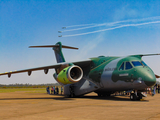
(84,86)
(80,88)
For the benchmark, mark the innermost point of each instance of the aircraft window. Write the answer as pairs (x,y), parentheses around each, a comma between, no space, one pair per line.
(136,63)
(143,63)
(122,66)
(128,66)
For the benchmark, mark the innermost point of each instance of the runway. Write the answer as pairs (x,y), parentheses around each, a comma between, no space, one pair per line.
(22,105)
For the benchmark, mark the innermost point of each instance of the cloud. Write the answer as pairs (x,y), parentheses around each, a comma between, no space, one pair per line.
(89,46)
(125,12)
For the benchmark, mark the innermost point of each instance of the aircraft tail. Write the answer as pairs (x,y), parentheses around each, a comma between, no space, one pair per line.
(57,49)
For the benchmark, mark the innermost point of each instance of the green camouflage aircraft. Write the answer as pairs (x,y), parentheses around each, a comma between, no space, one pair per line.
(102,75)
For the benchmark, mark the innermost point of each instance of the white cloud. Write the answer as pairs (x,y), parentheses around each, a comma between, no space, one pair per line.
(125,12)
(89,46)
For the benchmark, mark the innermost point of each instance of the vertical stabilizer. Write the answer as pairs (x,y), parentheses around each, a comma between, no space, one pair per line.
(58,53)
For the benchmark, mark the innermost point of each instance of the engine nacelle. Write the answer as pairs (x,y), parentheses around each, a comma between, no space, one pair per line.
(69,75)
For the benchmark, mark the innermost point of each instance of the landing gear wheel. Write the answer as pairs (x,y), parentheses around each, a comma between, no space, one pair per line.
(72,95)
(139,96)
(99,94)
(104,94)
(108,94)
(133,97)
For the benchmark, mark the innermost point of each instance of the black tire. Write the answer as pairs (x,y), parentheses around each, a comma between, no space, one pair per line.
(104,94)
(133,97)
(108,94)
(72,95)
(99,94)
(139,96)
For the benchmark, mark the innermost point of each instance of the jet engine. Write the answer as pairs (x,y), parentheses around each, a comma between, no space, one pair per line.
(69,75)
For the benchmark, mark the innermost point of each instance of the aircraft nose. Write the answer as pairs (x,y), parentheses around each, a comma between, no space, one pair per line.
(150,79)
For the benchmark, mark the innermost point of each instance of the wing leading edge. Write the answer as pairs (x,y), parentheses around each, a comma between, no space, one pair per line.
(46,68)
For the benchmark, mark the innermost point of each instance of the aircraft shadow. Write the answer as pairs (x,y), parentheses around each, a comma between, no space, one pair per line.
(115,98)
(40,98)
(56,97)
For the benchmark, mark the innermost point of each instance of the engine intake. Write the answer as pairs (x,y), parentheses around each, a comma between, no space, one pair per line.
(70,75)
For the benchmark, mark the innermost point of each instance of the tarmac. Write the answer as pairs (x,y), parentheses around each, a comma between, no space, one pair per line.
(41,106)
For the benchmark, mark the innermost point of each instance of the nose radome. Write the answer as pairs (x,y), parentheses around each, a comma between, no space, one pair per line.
(150,79)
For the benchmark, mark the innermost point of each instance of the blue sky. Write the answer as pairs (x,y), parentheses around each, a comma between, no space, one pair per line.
(32,22)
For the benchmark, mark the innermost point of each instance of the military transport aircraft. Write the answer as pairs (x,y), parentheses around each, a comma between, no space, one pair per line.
(102,75)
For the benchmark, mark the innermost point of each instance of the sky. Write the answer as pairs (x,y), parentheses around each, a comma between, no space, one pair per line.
(96,27)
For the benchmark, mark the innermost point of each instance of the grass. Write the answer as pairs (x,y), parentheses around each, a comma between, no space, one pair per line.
(27,90)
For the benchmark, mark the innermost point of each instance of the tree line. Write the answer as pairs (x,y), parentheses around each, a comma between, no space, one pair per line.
(27,85)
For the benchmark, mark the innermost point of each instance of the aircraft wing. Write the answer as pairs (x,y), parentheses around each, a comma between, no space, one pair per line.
(141,55)
(157,76)
(46,68)
(83,63)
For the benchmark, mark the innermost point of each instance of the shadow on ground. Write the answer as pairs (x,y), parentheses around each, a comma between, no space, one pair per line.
(40,98)
(61,97)
(115,98)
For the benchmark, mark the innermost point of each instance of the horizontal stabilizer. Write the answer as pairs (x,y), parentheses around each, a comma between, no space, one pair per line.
(46,46)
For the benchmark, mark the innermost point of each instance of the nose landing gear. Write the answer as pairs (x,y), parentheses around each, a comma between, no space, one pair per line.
(136,96)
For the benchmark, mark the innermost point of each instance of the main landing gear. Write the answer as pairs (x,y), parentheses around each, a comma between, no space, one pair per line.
(71,89)
(136,96)
(104,94)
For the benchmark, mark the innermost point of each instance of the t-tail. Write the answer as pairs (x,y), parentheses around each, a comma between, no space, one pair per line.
(57,49)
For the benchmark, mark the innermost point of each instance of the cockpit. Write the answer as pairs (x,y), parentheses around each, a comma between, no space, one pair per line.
(131,64)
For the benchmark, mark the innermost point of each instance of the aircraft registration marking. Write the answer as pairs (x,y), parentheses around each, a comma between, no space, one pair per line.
(125,74)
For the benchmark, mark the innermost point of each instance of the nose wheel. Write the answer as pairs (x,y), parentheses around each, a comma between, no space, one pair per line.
(135,96)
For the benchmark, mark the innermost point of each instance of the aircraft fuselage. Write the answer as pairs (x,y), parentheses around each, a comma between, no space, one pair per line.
(121,73)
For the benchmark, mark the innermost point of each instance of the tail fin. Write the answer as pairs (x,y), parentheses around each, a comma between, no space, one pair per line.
(57,49)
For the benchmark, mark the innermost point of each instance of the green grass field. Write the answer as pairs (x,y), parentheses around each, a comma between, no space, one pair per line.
(27,90)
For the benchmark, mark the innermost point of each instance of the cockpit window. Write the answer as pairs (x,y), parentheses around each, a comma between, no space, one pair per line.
(128,66)
(136,63)
(122,66)
(143,63)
